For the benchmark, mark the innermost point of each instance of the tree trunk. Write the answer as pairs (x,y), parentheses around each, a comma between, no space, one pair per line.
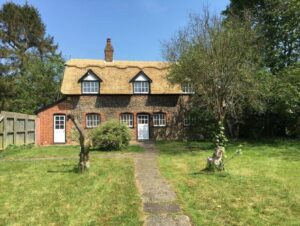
(84,162)
(230,127)
(237,131)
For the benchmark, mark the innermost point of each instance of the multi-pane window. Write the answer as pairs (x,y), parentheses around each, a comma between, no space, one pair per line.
(127,119)
(59,121)
(90,87)
(189,121)
(92,120)
(187,88)
(159,119)
(141,87)
(143,119)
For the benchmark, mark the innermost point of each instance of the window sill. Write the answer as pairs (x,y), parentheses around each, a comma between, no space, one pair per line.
(188,93)
(90,93)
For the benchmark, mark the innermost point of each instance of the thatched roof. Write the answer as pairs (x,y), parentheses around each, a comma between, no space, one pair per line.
(116,76)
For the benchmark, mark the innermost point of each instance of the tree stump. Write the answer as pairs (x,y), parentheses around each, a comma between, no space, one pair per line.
(216,161)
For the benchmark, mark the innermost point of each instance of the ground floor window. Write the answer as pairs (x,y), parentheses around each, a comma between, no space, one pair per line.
(127,118)
(189,120)
(188,88)
(159,119)
(92,120)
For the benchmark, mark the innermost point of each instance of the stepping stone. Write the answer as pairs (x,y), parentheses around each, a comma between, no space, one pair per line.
(156,208)
(168,220)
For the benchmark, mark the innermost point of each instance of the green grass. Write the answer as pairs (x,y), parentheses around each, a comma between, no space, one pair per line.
(56,151)
(260,187)
(51,193)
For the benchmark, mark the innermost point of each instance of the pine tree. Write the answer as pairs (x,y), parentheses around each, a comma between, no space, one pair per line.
(30,65)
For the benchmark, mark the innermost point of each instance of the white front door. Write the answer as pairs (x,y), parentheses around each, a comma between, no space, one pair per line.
(59,129)
(143,127)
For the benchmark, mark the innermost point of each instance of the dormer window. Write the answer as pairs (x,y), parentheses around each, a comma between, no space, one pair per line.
(90,87)
(90,83)
(141,87)
(141,83)
(188,88)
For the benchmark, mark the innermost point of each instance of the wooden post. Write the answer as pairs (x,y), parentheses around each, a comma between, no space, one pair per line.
(25,129)
(2,120)
(4,132)
(15,130)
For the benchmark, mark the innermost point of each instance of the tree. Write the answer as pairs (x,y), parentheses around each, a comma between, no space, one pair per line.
(6,91)
(22,33)
(278,27)
(285,101)
(30,66)
(221,60)
(84,160)
(277,23)
(38,85)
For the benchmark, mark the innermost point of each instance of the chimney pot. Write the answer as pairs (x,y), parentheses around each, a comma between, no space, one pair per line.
(108,51)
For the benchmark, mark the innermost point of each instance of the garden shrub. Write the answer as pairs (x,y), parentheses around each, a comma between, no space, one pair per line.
(112,135)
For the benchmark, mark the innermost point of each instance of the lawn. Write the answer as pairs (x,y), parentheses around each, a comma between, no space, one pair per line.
(260,187)
(55,151)
(51,193)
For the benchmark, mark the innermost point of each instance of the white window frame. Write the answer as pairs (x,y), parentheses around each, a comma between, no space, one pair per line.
(92,120)
(90,87)
(127,118)
(188,88)
(159,119)
(144,87)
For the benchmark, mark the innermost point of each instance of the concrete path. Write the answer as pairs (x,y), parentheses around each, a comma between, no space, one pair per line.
(158,198)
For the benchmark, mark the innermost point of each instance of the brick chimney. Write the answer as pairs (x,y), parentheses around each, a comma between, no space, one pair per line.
(109,51)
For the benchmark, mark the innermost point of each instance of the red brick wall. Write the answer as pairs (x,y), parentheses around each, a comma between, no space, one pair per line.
(110,107)
(45,136)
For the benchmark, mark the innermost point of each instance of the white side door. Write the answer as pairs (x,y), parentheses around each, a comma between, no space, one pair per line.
(143,127)
(59,128)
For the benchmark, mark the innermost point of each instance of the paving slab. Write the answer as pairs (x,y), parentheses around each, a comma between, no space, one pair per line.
(159,200)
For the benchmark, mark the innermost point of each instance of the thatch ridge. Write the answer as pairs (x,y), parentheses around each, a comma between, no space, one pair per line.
(117,64)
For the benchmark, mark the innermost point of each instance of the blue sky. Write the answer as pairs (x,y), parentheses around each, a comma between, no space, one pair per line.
(136,27)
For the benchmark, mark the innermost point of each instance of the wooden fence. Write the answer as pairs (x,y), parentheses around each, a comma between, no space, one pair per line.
(16,128)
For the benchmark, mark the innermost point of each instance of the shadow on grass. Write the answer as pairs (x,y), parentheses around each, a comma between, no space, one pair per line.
(130,148)
(210,173)
(66,168)
(271,142)
(183,147)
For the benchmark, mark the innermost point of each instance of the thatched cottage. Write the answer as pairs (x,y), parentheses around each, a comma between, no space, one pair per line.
(134,92)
